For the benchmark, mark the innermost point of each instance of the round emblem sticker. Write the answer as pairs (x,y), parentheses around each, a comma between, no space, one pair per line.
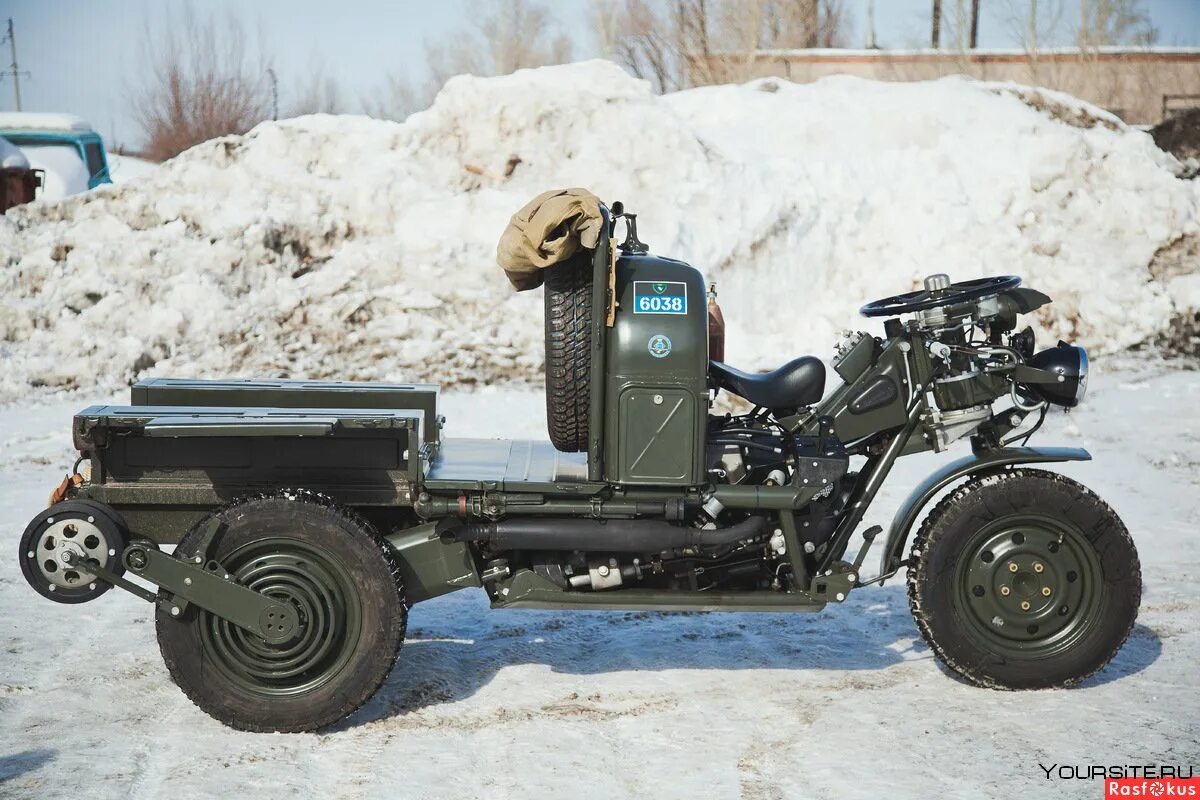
(659,346)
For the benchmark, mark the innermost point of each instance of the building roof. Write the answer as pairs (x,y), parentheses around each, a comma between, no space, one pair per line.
(839,53)
(24,120)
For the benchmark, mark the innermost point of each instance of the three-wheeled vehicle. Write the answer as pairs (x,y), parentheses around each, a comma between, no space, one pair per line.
(307,517)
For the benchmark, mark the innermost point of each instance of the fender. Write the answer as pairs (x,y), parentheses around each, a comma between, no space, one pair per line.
(982,463)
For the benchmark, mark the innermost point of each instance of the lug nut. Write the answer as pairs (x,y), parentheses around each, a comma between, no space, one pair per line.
(1045,591)
(1037,567)
(1024,605)
(1004,590)
(137,559)
(1012,566)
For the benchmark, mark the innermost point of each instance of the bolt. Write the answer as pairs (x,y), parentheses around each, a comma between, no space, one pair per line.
(1037,566)
(1024,605)
(1012,566)
(174,611)
(112,551)
(137,559)
(852,577)
(30,554)
(92,586)
(91,519)
(50,521)
(1045,591)
(1004,590)
(840,596)
(187,581)
(197,559)
(602,570)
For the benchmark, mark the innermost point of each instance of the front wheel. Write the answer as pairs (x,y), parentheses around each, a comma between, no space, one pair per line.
(346,589)
(1024,580)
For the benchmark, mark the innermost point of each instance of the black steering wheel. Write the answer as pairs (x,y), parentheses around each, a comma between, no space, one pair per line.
(952,294)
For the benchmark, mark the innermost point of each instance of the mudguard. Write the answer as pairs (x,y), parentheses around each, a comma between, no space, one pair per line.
(968,466)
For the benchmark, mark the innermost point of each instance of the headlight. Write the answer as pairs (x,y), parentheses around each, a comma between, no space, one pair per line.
(1070,363)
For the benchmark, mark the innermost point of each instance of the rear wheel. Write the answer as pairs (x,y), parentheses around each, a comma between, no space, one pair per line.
(345,586)
(1024,580)
(569,352)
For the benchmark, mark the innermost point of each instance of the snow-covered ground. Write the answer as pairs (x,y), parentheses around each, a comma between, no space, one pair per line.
(843,704)
(364,249)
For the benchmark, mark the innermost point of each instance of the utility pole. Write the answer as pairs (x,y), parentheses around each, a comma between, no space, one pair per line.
(936,38)
(274,93)
(974,23)
(15,68)
(871,45)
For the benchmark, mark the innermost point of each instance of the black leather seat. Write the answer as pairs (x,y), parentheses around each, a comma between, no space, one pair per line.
(800,382)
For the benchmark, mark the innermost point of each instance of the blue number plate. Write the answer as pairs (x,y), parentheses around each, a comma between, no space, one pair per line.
(659,297)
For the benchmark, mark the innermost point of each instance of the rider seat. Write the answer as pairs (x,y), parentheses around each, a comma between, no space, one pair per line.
(800,382)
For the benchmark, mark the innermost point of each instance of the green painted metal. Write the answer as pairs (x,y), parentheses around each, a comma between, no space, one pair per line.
(296,575)
(601,301)
(162,467)
(1039,576)
(892,366)
(656,380)
(755,498)
(478,464)
(967,466)
(206,585)
(528,590)
(192,392)
(429,566)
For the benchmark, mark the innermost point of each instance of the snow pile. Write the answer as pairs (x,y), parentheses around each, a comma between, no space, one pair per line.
(353,248)
(123,168)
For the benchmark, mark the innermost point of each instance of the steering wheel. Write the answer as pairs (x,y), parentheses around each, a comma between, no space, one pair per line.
(939,291)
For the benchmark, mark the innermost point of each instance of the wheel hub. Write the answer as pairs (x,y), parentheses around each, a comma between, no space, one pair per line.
(64,546)
(308,646)
(1029,585)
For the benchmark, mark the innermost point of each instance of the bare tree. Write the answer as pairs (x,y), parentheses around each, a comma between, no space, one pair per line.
(501,38)
(198,82)
(683,43)
(321,93)
(1037,24)
(395,100)
(1114,22)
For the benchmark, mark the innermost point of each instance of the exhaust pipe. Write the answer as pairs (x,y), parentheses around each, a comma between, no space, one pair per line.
(609,536)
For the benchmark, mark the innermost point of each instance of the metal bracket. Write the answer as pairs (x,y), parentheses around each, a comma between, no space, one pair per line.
(263,616)
(835,583)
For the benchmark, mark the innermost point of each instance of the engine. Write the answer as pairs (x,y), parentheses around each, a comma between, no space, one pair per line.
(978,357)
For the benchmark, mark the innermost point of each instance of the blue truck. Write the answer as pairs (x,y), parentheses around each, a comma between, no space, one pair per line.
(66,147)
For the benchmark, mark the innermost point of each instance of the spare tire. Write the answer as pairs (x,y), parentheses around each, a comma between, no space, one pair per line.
(569,352)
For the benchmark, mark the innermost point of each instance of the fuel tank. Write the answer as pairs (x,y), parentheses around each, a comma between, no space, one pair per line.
(656,393)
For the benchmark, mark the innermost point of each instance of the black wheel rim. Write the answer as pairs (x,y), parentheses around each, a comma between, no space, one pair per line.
(1028,587)
(327,605)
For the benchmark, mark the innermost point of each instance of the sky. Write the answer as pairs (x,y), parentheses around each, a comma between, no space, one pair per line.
(83,56)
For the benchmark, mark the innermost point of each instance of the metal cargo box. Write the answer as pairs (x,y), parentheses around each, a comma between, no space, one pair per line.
(148,460)
(421,397)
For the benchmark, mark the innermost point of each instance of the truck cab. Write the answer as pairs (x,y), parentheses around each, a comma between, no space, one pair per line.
(65,147)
